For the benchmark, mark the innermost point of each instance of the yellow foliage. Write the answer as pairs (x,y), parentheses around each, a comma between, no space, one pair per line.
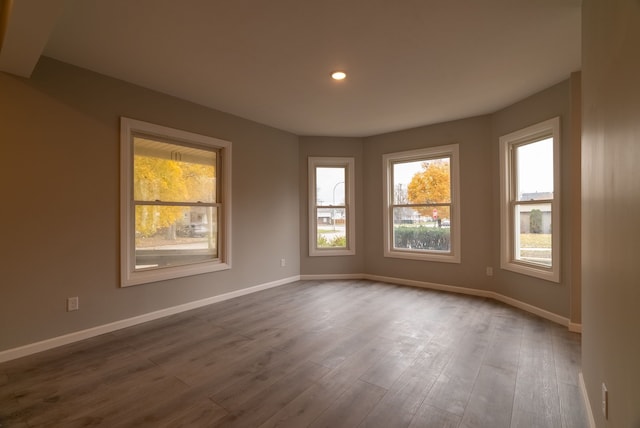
(432,185)
(157,179)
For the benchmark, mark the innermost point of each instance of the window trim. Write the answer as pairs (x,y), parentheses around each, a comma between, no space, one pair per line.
(128,275)
(452,151)
(547,129)
(340,162)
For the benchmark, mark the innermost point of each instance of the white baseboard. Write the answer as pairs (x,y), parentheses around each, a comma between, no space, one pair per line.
(429,285)
(575,327)
(543,313)
(76,336)
(460,290)
(587,404)
(44,345)
(327,277)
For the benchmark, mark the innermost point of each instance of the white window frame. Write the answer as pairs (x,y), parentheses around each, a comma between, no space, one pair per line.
(129,275)
(348,163)
(547,129)
(388,160)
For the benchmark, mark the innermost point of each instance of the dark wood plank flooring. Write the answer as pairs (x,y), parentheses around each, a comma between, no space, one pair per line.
(310,354)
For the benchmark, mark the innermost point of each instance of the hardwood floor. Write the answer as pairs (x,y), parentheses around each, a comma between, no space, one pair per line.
(312,353)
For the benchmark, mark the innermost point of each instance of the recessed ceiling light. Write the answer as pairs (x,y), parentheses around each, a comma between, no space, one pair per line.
(338,75)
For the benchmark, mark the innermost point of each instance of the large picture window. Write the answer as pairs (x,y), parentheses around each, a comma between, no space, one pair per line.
(175,203)
(530,214)
(422,204)
(331,206)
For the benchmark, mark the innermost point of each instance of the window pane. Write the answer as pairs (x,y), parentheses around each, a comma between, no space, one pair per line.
(175,235)
(534,170)
(172,173)
(331,227)
(331,206)
(425,228)
(330,188)
(533,233)
(422,182)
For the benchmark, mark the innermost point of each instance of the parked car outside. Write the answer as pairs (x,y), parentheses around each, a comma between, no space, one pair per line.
(196,230)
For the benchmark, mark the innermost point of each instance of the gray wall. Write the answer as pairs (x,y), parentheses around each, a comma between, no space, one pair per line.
(478,140)
(60,140)
(611,208)
(552,102)
(473,136)
(59,180)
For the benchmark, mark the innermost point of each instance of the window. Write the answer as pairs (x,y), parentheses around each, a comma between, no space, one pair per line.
(175,203)
(530,205)
(422,204)
(331,206)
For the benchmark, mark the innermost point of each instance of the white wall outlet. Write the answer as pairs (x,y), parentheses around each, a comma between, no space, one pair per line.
(283,262)
(605,401)
(73,304)
(489,271)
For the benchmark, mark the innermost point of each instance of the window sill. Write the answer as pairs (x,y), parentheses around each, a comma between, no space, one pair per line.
(424,256)
(162,274)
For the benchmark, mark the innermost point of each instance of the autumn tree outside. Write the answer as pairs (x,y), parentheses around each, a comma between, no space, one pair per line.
(432,186)
(167,180)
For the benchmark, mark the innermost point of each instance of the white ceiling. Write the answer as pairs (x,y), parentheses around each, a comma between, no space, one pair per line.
(409,62)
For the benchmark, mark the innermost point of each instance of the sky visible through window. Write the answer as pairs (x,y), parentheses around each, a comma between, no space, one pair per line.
(330,189)
(404,172)
(535,173)
(535,167)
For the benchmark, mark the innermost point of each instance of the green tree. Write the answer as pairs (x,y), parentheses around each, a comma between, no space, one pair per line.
(432,185)
(535,221)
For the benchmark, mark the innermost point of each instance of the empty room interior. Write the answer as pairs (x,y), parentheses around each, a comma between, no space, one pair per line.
(339,213)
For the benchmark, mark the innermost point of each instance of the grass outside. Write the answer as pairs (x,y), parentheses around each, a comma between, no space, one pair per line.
(535,240)
(536,247)
(527,240)
(323,231)
(159,241)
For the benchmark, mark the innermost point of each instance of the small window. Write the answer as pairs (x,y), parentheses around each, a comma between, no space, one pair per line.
(530,214)
(175,203)
(331,206)
(422,204)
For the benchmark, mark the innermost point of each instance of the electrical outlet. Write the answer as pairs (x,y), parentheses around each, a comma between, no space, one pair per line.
(283,262)
(73,304)
(605,401)
(489,271)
